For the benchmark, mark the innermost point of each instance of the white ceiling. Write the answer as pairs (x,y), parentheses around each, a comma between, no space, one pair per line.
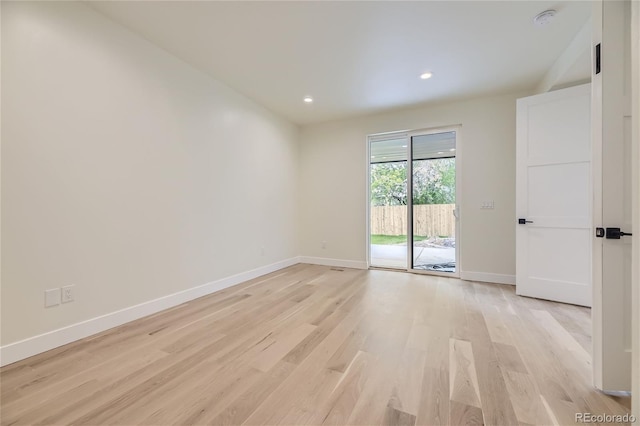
(358,57)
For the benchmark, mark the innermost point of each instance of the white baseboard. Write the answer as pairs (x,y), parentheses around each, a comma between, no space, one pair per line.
(488,278)
(34,345)
(355,264)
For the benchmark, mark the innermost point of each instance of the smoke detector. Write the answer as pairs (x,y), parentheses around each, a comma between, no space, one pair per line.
(544,18)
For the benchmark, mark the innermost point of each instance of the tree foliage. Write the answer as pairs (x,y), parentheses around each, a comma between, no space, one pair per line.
(433,182)
(389,184)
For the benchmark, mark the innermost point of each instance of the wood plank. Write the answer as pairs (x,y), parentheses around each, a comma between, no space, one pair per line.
(462,374)
(395,417)
(496,407)
(525,398)
(509,358)
(434,409)
(408,382)
(462,414)
(244,405)
(275,352)
(347,392)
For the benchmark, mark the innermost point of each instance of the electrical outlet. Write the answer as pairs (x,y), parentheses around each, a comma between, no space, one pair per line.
(324,245)
(67,294)
(51,297)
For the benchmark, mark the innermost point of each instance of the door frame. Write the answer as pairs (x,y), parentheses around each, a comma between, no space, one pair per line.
(635,206)
(457,130)
(607,31)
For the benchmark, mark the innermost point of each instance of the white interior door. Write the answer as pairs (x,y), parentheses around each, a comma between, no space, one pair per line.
(612,197)
(553,196)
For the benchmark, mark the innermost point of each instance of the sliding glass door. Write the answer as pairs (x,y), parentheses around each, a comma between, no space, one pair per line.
(413,221)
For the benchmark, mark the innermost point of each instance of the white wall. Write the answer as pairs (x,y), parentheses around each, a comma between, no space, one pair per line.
(333,170)
(126,171)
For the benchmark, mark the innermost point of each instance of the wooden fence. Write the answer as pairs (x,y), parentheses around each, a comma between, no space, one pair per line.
(431,220)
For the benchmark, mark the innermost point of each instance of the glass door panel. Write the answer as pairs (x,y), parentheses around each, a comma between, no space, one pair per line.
(433,203)
(388,201)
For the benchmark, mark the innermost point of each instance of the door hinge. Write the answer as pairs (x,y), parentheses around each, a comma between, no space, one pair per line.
(597,58)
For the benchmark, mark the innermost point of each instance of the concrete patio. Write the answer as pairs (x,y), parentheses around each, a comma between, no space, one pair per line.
(395,256)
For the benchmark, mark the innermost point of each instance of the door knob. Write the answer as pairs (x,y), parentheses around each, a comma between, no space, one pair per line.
(615,233)
(524,221)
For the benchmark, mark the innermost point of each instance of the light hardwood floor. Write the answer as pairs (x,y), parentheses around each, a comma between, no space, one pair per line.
(319,345)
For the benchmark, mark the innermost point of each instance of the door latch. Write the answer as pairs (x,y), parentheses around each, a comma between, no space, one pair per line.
(615,233)
(524,221)
(600,232)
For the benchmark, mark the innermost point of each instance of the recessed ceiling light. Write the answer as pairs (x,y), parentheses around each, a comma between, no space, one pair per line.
(426,75)
(373,156)
(544,18)
(441,152)
(404,146)
(452,149)
(308,99)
